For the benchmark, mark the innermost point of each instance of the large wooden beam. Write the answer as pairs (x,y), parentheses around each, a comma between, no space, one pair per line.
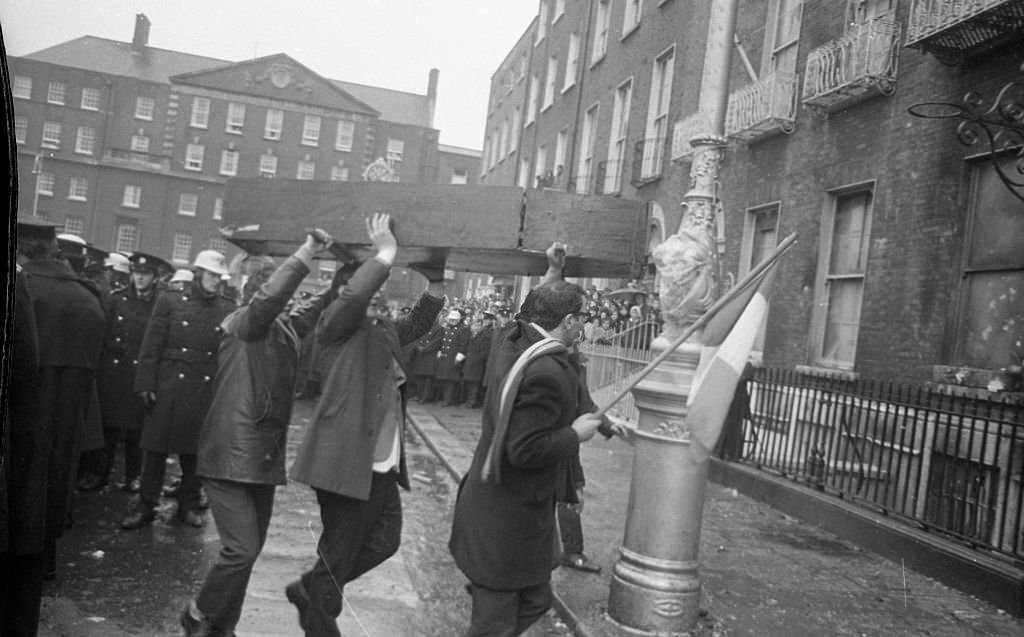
(490,229)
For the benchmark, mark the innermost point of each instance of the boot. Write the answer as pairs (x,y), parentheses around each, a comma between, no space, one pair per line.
(143,515)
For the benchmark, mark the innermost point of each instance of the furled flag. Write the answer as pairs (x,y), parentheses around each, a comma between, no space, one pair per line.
(726,343)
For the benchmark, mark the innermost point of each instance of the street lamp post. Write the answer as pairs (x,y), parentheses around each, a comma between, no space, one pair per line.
(656,586)
(37,169)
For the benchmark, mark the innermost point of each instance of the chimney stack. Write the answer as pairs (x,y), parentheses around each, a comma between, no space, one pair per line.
(431,96)
(141,37)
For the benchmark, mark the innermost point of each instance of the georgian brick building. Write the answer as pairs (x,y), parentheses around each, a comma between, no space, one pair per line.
(130,146)
(909,264)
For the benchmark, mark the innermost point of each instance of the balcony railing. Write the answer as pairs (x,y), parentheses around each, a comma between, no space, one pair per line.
(766,107)
(856,66)
(648,160)
(148,160)
(954,29)
(683,131)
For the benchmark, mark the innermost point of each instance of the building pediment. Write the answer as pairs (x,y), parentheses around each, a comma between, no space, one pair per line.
(277,77)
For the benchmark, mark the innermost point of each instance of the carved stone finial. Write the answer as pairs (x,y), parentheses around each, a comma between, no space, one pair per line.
(686,263)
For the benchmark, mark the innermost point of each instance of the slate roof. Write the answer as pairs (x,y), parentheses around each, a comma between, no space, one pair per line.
(159,65)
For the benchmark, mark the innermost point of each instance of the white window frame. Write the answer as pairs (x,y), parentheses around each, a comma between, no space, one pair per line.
(345,135)
(339,173)
(90,99)
(273,124)
(781,51)
(460,177)
(144,108)
(20,128)
(631,16)
(85,140)
(268,165)
(74,225)
(602,24)
(826,278)
(234,124)
(21,87)
(558,11)
(181,252)
(188,204)
(218,212)
(533,101)
(539,165)
(56,93)
(588,139)
(766,236)
(524,173)
(513,140)
(126,237)
(658,108)
(200,114)
(561,148)
(549,83)
(140,143)
(132,196)
(78,189)
(396,150)
(311,130)
(52,132)
(305,170)
(617,138)
(194,157)
(503,149)
(542,22)
(572,62)
(229,162)
(45,183)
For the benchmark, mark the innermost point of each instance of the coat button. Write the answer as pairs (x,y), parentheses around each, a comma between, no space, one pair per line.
(184,349)
(181,376)
(116,361)
(206,378)
(184,323)
(135,362)
(117,339)
(120,317)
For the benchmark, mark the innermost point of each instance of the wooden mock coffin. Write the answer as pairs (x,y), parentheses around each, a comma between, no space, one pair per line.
(488,229)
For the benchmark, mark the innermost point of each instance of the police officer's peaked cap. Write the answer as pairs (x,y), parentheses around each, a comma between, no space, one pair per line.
(144,261)
(72,245)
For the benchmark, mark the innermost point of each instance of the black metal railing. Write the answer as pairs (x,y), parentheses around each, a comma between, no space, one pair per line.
(943,462)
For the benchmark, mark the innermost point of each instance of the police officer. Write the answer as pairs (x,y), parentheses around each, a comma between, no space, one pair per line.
(177,364)
(450,357)
(123,412)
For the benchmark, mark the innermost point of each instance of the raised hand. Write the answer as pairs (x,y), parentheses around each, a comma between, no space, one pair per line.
(318,240)
(378,228)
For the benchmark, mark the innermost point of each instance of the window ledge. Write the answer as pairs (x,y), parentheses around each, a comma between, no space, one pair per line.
(828,372)
(633,29)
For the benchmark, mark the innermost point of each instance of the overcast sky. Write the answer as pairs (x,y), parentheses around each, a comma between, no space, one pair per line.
(388,43)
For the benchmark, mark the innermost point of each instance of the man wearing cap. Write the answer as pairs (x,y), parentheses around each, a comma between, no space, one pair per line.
(451,356)
(174,380)
(118,269)
(69,320)
(353,452)
(123,413)
(476,361)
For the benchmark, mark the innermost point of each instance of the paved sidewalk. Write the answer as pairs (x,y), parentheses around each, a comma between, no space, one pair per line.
(763,573)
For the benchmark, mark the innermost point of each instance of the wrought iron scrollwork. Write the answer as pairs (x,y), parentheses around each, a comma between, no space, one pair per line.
(999,124)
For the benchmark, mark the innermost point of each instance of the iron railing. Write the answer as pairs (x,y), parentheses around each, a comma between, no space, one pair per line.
(861,61)
(762,108)
(946,27)
(610,368)
(942,462)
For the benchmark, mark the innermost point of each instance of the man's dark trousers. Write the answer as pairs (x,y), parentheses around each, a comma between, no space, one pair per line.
(357,536)
(242,514)
(507,613)
(154,467)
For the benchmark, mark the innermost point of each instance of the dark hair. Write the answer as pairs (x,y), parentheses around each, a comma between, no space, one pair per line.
(342,275)
(256,280)
(32,247)
(548,304)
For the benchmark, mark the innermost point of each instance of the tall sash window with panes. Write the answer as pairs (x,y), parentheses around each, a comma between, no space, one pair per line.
(236,118)
(268,165)
(345,135)
(200,113)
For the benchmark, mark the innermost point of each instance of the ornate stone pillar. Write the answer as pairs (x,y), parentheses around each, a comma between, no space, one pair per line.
(655,586)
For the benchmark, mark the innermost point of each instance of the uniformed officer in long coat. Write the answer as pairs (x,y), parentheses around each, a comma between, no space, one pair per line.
(478,350)
(177,364)
(123,413)
(451,355)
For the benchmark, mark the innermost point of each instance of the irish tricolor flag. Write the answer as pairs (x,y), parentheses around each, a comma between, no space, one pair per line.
(726,343)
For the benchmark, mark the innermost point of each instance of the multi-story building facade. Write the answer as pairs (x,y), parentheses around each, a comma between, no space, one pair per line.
(908,262)
(130,146)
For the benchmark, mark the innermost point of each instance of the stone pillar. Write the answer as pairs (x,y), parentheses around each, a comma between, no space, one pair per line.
(656,588)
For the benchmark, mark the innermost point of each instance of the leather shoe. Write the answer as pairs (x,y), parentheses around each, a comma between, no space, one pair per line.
(193,627)
(133,485)
(191,518)
(580,562)
(142,516)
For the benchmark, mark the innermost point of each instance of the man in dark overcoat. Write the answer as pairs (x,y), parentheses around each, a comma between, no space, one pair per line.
(477,351)
(70,322)
(424,364)
(244,436)
(122,411)
(353,453)
(451,356)
(177,364)
(503,531)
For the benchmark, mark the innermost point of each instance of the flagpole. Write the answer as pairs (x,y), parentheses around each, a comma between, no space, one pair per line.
(733,292)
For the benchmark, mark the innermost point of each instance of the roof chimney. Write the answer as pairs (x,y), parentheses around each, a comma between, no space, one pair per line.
(141,36)
(431,96)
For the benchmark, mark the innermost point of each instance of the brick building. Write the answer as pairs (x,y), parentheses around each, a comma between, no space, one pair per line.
(909,263)
(130,145)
